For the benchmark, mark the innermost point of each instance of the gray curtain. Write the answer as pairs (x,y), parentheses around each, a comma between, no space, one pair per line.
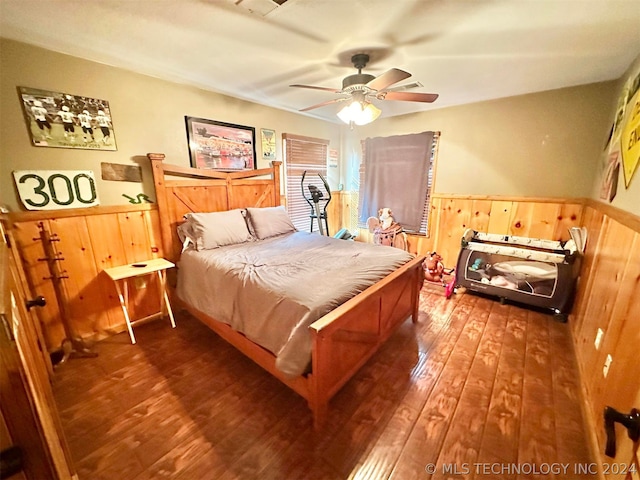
(396,171)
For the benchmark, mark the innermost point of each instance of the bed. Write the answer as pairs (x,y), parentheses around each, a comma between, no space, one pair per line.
(337,338)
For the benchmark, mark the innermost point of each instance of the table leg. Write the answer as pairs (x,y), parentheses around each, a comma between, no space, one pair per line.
(124,302)
(162,277)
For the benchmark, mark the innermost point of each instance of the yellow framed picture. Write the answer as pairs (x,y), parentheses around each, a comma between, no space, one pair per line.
(268,138)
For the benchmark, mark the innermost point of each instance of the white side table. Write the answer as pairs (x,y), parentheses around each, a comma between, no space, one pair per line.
(121,275)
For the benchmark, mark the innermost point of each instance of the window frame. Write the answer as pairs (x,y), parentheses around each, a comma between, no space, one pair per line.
(302,153)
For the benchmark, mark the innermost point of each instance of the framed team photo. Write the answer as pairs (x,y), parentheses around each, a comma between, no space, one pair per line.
(63,120)
(220,146)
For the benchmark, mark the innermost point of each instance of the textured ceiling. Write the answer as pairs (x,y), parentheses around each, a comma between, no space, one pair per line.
(466,51)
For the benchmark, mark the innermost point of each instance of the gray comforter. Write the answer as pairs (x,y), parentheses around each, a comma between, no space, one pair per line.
(272,290)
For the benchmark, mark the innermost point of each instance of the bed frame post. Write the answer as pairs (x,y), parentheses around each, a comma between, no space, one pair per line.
(157,169)
(318,396)
(320,413)
(417,287)
(276,182)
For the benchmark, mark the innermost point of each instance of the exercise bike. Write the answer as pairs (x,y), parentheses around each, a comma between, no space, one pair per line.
(320,213)
(317,213)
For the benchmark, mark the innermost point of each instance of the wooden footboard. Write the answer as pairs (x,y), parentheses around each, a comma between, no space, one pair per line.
(344,339)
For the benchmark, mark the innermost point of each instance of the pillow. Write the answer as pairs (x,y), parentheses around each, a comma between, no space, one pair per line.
(215,229)
(248,222)
(186,236)
(269,221)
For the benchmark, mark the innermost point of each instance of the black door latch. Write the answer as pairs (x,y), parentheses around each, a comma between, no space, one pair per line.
(39,301)
(630,421)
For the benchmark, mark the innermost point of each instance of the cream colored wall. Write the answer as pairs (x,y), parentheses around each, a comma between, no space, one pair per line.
(545,144)
(626,198)
(148,116)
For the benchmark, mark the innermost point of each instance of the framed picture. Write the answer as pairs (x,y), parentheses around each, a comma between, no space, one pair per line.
(268,139)
(221,146)
(63,120)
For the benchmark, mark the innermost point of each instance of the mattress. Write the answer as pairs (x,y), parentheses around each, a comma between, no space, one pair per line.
(272,290)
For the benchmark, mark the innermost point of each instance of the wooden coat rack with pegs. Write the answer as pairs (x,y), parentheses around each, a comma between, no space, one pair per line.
(72,345)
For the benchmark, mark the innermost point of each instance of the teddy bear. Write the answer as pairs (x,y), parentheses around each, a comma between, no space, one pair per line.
(433,267)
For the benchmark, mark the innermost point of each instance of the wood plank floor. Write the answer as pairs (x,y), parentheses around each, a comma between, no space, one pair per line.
(476,388)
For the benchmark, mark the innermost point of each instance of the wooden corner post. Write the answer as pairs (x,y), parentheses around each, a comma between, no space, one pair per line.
(276,182)
(157,168)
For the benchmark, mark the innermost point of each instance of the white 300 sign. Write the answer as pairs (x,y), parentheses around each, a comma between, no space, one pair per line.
(53,189)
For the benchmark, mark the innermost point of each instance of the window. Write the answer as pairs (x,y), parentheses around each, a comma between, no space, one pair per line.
(303,154)
(395,158)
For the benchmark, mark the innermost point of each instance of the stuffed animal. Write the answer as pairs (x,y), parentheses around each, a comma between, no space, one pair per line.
(433,267)
(386,231)
(386,218)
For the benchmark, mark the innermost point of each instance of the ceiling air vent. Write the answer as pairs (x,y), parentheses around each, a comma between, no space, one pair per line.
(260,7)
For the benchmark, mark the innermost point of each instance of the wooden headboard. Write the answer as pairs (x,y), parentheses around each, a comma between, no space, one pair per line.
(181,190)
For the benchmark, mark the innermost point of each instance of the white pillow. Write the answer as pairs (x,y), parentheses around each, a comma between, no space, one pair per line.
(186,236)
(215,229)
(269,221)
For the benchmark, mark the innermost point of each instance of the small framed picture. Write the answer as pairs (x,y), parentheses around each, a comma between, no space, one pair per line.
(220,146)
(63,120)
(268,140)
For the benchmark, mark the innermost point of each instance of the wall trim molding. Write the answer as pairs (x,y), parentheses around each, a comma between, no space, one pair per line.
(35,215)
(627,219)
(508,198)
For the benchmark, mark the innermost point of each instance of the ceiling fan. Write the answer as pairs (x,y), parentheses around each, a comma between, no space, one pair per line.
(362,87)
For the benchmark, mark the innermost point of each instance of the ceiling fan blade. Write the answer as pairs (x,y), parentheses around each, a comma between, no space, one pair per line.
(402,88)
(328,102)
(408,96)
(388,78)
(326,89)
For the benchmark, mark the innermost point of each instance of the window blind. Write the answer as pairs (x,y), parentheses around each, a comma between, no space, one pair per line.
(303,154)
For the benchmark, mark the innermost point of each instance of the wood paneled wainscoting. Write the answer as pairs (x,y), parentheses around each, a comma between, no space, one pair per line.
(86,242)
(451,215)
(608,300)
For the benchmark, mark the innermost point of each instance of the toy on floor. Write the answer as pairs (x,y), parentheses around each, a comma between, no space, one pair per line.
(435,272)
(386,231)
(450,288)
(433,267)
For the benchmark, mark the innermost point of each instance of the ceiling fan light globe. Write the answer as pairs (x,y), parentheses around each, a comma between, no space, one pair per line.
(368,115)
(358,113)
(349,112)
(344,115)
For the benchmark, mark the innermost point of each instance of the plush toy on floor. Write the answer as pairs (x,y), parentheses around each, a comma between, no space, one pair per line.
(435,272)
(433,268)
(386,231)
